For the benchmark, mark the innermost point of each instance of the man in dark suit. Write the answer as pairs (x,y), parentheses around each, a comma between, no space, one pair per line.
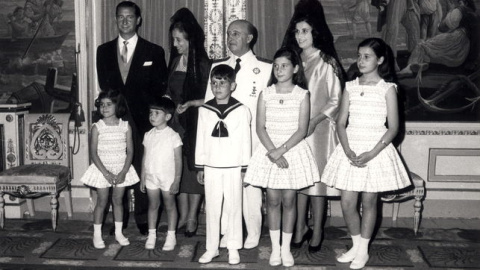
(137,68)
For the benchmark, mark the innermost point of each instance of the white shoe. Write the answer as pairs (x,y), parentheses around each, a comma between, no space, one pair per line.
(122,240)
(170,243)
(251,242)
(98,242)
(348,256)
(208,256)
(359,262)
(275,258)
(151,241)
(233,256)
(287,259)
(223,242)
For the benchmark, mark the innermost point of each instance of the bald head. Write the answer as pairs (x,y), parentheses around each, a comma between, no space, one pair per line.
(241,37)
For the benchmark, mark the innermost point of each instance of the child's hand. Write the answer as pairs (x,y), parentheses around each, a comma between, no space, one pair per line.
(120,178)
(110,177)
(364,158)
(181,108)
(143,189)
(275,154)
(200,177)
(174,188)
(282,163)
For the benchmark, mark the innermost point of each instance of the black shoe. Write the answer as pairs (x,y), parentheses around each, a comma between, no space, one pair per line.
(314,249)
(307,236)
(191,228)
(143,228)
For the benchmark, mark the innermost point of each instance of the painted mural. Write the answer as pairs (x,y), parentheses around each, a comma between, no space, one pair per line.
(437,48)
(35,35)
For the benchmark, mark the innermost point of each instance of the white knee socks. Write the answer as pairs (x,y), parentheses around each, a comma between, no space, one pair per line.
(275,257)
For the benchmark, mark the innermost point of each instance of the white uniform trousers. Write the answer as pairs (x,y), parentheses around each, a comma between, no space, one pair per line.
(252,212)
(223,185)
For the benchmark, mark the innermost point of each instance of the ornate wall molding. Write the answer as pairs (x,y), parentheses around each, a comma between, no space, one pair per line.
(442,132)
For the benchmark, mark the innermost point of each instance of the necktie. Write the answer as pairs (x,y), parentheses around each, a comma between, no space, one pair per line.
(237,65)
(125,52)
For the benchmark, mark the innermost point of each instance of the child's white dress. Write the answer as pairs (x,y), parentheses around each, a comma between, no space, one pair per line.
(112,151)
(282,113)
(366,126)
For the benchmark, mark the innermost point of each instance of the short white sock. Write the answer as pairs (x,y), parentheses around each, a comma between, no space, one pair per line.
(97,229)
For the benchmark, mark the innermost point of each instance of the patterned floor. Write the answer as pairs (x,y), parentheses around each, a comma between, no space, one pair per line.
(30,244)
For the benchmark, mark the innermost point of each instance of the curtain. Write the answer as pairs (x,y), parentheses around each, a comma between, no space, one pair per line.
(155,15)
(271,17)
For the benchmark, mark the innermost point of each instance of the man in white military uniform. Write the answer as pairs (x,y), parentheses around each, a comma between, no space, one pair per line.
(252,77)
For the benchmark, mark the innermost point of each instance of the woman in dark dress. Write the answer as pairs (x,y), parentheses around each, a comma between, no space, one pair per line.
(189,68)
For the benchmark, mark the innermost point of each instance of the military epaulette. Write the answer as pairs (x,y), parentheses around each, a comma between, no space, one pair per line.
(268,61)
(220,60)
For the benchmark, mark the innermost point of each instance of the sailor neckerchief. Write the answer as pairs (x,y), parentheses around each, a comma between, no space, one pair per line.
(222,110)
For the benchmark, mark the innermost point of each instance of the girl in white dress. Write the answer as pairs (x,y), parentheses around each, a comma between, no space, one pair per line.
(283,163)
(111,149)
(366,162)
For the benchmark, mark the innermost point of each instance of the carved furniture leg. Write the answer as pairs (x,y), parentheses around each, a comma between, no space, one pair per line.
(31,207)
(395,208)
(54,205)
(2,210)
(418,208)
(68,201)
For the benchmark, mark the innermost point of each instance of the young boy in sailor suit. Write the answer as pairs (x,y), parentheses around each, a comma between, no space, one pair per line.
(223,151)
(252,75)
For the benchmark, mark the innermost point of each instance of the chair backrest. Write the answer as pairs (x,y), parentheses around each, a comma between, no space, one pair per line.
(46,139)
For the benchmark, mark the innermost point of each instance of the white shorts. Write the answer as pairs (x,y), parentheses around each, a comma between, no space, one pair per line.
(154,182)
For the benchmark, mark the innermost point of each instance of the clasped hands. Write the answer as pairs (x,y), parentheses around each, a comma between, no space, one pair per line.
(276,156)
(359,161)
(115,179)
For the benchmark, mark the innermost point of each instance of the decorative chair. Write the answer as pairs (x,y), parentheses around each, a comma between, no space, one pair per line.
(46,169)
(417,192)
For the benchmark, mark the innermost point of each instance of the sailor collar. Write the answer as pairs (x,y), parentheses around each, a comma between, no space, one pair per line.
(220,129)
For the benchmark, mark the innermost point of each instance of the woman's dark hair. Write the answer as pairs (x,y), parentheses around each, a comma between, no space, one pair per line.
(311,12)
(184,21)
(117,98)
(381,49)
(299,77)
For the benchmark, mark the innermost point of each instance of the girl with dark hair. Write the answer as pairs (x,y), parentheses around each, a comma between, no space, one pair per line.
(366,162)
(309,34)
(284,162)
(189,68)
(111,149)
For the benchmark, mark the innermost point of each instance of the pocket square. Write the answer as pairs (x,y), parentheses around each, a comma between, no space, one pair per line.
(147,63)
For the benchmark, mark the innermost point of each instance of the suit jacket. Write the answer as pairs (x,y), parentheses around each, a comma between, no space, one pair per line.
(147,78)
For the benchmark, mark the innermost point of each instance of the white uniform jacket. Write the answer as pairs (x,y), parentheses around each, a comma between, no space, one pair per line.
(251,79)
(216,149)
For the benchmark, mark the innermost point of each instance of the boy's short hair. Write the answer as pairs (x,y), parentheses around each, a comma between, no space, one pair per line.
(223,72)
(164,103)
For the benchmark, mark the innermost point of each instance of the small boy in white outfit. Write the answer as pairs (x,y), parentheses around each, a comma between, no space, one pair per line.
(161,170)
(222,154)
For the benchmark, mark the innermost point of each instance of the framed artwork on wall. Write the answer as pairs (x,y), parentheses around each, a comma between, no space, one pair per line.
(35,35)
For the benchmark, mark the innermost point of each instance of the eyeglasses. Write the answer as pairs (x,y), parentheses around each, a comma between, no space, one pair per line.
(221,84)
